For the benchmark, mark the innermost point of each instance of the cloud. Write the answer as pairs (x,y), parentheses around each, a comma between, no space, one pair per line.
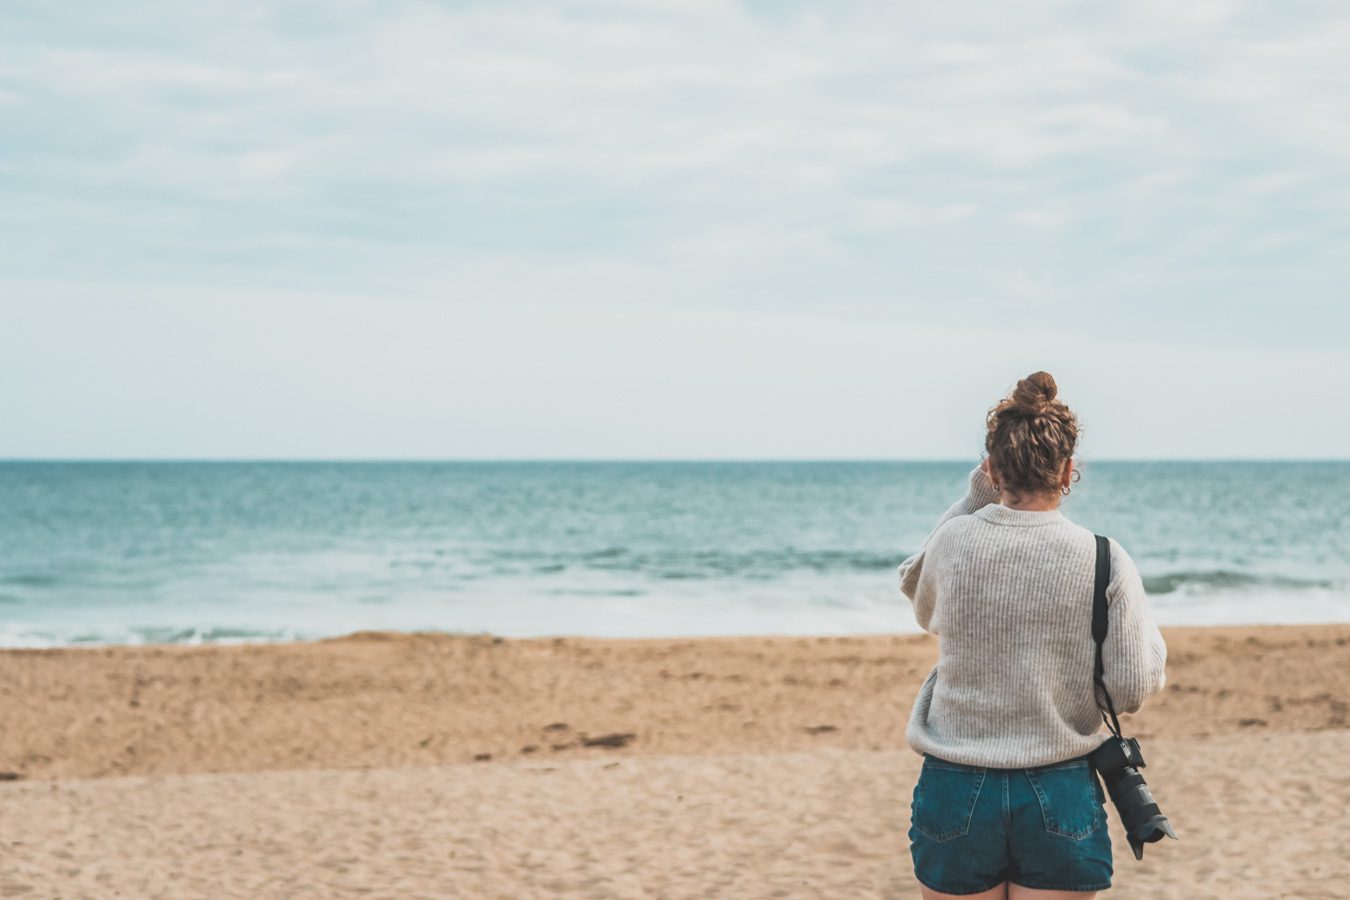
(1143,172)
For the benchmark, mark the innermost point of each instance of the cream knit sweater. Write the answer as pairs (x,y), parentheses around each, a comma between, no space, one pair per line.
(1009,594)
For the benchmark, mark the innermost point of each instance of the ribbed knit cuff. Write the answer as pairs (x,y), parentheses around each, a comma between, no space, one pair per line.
(981,491)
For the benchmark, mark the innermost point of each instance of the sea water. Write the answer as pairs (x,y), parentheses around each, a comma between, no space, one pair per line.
(132,552)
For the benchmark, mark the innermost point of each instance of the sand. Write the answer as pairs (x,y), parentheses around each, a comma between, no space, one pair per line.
(466,766)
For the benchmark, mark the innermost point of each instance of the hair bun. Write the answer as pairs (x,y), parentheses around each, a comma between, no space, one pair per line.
(1030,435)
(1035,393)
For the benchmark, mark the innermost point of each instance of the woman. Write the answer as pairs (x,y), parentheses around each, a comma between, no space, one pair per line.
(1006,804)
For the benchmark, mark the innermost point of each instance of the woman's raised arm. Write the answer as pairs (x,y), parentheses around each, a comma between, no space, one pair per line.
(980,494)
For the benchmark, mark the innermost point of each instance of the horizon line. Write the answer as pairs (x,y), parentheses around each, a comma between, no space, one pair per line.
(629,459)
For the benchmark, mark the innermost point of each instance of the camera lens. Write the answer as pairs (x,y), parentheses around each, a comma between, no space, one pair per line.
(1117,762)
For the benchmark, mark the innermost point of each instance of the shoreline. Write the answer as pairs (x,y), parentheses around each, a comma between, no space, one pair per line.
(393,633)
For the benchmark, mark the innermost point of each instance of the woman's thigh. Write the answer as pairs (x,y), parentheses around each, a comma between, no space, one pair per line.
(1017,892)
(995,893)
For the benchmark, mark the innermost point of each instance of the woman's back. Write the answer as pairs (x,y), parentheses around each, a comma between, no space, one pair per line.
(1009,593)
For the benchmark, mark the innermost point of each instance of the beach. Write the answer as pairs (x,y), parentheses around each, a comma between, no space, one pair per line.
(435,765)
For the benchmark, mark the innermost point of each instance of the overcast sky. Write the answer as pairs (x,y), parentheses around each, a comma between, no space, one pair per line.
(670,228)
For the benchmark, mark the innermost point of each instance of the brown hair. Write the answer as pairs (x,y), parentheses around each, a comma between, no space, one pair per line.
(1030,436)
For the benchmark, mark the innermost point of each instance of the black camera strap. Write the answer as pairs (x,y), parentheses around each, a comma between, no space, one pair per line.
(1099,625)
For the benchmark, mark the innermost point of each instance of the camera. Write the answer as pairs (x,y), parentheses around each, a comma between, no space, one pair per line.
(1118,762)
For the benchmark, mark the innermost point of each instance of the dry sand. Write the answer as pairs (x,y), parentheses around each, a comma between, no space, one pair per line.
(718,767)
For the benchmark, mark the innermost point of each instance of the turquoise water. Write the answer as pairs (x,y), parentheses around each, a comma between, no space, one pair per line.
(127,552)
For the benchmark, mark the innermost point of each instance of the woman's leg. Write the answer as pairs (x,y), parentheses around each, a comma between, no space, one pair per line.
(994,893)
(1018,892)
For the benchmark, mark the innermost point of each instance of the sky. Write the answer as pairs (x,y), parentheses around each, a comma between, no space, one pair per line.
(670,229)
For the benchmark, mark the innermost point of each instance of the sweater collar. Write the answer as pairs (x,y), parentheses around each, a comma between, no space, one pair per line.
(999,514)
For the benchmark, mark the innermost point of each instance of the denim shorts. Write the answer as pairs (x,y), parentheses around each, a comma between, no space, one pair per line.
(974,827)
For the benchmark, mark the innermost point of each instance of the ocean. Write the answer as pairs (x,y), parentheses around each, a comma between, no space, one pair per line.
(192,552)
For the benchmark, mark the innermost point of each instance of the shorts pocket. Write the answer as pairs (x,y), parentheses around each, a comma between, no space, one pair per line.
(1071,800)
(944,801)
